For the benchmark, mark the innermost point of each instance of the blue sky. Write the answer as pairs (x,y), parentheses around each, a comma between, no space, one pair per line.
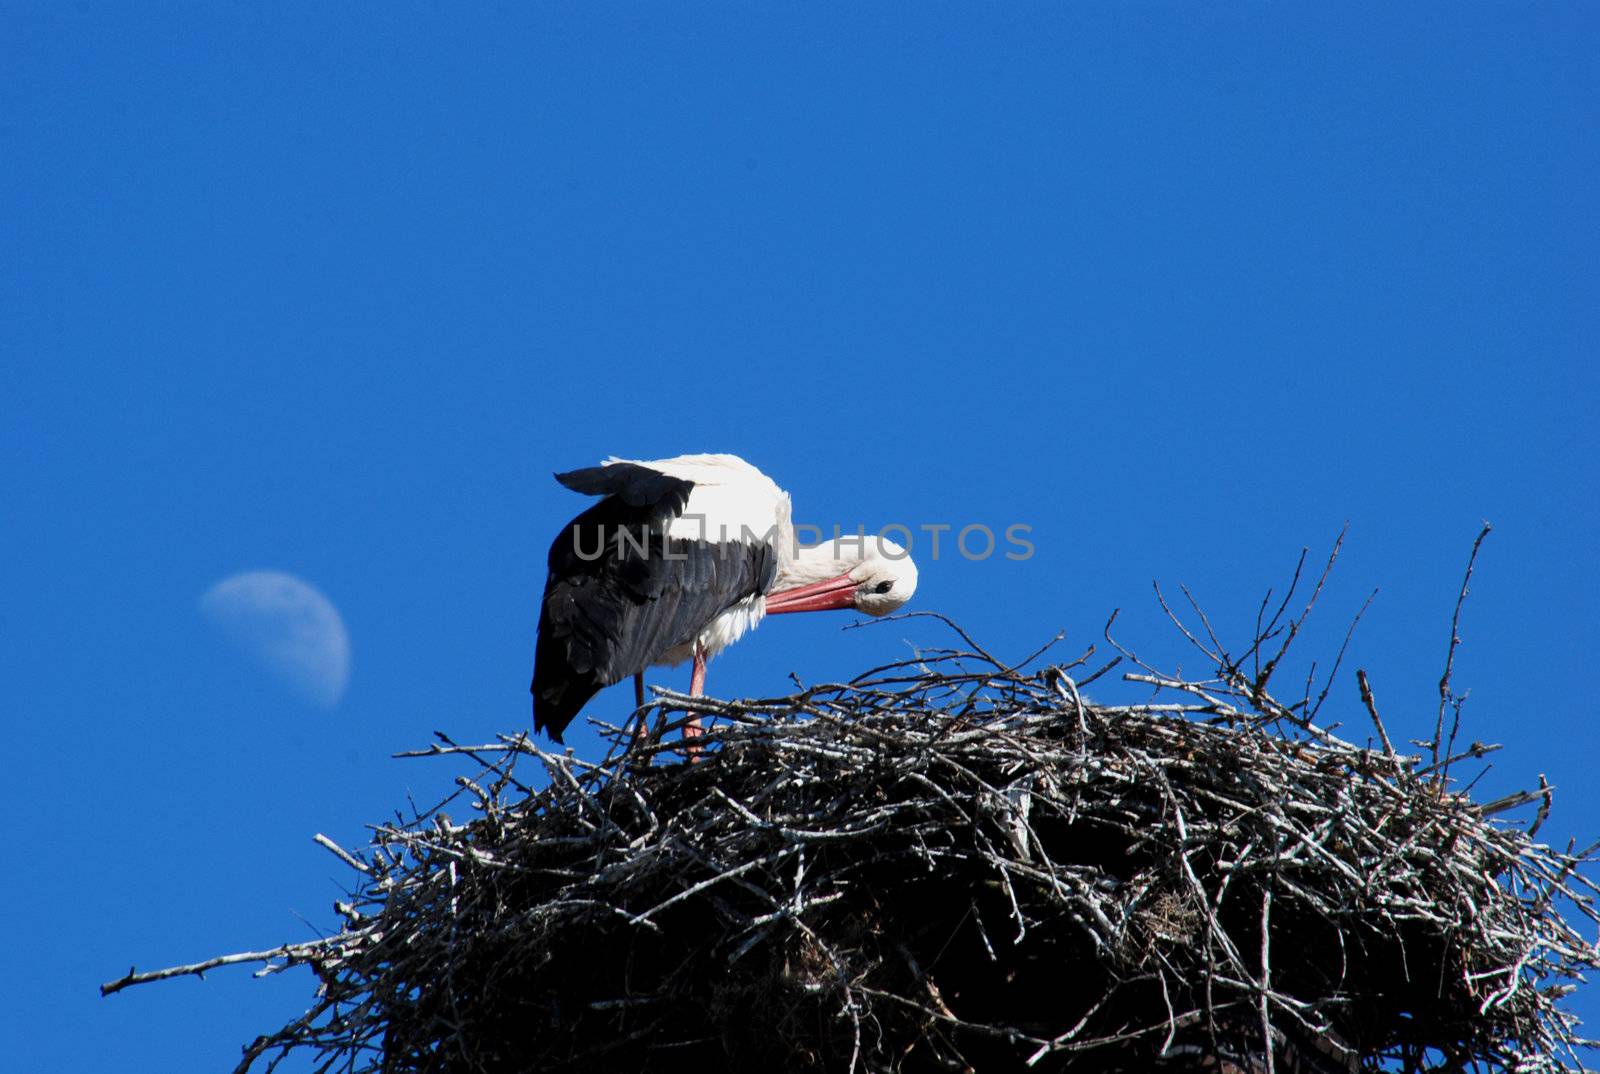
(333,291)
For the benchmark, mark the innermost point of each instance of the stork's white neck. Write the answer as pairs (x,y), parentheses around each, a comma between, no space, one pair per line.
(830,559)
(819,562)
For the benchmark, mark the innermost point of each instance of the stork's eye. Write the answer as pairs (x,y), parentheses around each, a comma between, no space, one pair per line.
(883,587)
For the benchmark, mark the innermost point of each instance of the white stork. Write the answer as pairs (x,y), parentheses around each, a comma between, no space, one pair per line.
(675,563)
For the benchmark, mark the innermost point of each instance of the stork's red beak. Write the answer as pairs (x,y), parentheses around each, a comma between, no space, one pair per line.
(830,595)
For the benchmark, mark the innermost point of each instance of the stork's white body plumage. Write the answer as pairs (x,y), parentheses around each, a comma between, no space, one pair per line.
(679,559)
(731,501)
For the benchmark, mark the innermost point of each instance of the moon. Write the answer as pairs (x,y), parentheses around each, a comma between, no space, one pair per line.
(288,628)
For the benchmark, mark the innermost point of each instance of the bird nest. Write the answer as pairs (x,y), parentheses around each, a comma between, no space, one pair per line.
(956,864)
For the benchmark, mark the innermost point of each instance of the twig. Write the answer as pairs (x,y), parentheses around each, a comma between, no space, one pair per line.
(1450,652)
(1372,710)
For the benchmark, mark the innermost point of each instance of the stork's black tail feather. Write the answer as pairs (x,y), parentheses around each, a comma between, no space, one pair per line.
(559,691)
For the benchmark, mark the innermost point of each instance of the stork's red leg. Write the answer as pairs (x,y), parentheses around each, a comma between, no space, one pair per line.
(697,678)
(697,688)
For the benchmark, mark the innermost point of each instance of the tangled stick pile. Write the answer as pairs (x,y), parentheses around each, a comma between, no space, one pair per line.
(952,864)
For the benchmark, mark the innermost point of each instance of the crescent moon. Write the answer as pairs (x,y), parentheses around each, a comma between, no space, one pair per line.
(287,627)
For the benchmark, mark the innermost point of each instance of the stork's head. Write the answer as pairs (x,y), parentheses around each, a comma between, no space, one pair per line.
(874,576)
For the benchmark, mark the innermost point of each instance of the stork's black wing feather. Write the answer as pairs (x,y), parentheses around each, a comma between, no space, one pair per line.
(621,593)
(634,485)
